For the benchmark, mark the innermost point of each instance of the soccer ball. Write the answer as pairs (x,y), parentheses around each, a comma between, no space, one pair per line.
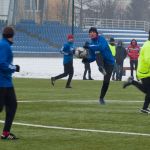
(81,52)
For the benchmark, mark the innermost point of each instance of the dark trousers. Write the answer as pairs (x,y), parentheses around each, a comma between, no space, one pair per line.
(68,70)
(133,66)
(114,72)
(87,69)
(119,71)
(144,87)
(106,81)
(8,100)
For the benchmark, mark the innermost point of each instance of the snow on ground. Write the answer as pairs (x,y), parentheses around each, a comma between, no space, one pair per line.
(48,67)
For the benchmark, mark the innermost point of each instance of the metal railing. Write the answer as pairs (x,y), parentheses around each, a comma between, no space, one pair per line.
(117,24)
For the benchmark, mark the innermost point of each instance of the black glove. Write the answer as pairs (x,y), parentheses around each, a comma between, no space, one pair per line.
(102,70)
(86,45)
(85,60)
(17,68)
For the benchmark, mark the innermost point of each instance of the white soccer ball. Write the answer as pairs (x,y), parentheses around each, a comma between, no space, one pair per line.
(80,52)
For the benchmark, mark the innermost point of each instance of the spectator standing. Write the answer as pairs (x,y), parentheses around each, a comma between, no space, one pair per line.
(87,67)
(112,46)
(133,53)
(120,56)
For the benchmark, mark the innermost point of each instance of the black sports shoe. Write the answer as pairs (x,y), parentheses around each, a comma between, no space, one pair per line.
(9,137)
(84,78)
(147,111)
(102,101)
(52,81)
(128,82)
(91,79)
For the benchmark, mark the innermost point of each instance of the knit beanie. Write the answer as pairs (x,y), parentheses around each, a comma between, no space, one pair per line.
(93,29)
(112,40)
(70,36)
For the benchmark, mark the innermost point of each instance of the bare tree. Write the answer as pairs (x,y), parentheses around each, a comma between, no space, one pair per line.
(82,5)
(138,10)
(102,8)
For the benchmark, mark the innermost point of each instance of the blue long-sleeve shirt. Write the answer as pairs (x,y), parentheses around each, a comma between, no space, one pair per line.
(67,50)
(6,67)
(100,45)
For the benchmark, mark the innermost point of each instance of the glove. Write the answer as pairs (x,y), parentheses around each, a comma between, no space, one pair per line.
(102,70)
(17,68)
(86,45)
(85,60)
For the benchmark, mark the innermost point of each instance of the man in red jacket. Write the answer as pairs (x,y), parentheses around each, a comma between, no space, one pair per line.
(133,53)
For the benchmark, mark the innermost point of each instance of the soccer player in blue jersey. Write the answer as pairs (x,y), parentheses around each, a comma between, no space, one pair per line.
(7,92)
(67,50)
(101,53)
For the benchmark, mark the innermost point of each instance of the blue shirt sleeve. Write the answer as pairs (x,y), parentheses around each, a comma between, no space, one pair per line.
(5,65)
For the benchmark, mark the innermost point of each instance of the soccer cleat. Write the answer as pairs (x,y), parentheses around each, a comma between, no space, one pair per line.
(52,81)
(10,136)
(147,111)
(102,101)
(128,82)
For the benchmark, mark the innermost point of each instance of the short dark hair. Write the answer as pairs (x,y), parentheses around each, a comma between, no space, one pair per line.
(8,32)
(93,29)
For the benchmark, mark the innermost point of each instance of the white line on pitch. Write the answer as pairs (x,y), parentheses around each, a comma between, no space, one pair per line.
(79,101)
(78,129)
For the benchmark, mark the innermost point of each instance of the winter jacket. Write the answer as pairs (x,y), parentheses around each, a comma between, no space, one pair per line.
(133,51)
(143,69)
(120,53)
(100,45)
(6,67)
(67,50)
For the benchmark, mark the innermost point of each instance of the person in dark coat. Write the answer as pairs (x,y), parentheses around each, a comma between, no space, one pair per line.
(87,67)
(120,56)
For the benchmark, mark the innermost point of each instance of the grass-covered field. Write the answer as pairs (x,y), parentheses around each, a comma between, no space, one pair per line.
(73,109)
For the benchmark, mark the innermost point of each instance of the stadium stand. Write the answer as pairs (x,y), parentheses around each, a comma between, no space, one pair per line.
(50,36)
(23,43)
(126,35)
(51,31)
(54,33)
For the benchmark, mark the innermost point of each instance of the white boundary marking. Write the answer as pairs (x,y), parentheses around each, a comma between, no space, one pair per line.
(78,129)
(79,101)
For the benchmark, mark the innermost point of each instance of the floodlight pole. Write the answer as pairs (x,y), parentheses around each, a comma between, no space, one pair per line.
(72,17)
